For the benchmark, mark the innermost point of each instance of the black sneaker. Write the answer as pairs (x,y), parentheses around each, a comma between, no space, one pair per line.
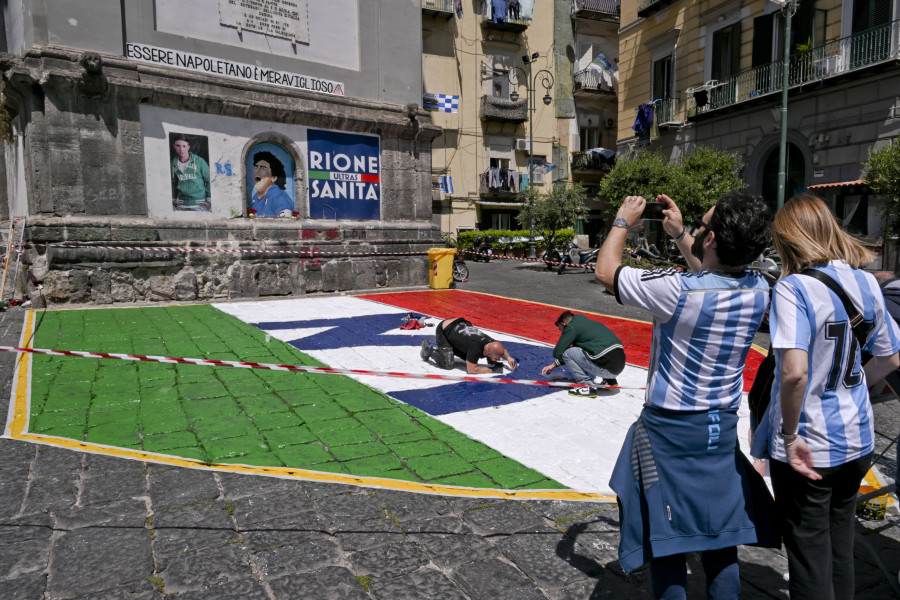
(425,352)
(587,391)
(611,382)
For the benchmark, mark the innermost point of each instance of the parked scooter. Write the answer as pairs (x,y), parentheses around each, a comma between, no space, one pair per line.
(554,256)
(460,270)
(573,255)
(483,248)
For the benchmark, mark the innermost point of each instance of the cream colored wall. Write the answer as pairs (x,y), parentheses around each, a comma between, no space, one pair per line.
(635,65)
(454,52)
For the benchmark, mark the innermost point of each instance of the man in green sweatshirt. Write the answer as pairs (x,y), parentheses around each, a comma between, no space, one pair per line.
(588,349)
(190,177)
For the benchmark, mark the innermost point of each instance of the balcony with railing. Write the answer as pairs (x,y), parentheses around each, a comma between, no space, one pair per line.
(648,7)
(591,161)
(838,57)
(439,8)
(511,21)
(503,110)
(596,9)
(499,183)
(668,112)
(590,82)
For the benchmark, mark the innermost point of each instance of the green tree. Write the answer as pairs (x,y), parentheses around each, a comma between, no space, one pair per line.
(705,175)
(695,182)
(882,173)
(557,209)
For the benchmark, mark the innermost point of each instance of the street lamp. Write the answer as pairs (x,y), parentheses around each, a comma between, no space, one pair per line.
(788,7)
(546,79)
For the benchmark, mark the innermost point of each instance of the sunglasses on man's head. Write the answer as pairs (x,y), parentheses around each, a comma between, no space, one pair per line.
(698,223)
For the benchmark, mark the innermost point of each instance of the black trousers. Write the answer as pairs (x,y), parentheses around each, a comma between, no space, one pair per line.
(445,354)
(817,523)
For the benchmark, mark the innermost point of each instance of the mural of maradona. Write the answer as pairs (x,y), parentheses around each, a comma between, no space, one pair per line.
(271,186)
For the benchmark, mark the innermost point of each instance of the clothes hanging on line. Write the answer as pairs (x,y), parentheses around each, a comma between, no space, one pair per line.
(500,8)
(526,9)
(513,10)
(643,123)
(494,178)
(644,118)
(511,177)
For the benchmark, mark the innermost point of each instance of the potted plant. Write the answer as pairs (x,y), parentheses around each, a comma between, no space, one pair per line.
(251,212)
(295,214)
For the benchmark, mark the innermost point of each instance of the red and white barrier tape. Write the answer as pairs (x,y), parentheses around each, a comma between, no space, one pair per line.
(307,252)
(303,252)
(534,260)
(295,368)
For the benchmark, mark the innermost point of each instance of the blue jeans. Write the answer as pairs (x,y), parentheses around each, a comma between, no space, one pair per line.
(723,580)
(581,367)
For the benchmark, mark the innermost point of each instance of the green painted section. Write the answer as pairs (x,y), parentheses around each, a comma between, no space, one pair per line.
(226,415)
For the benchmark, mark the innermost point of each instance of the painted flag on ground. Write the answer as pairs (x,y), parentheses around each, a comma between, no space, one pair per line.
(440,103)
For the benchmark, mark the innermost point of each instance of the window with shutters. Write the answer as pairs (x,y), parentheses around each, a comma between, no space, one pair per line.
(871,32)
(663,78)
(726,52)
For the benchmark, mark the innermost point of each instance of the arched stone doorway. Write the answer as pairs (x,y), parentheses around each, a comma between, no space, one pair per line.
(286,166)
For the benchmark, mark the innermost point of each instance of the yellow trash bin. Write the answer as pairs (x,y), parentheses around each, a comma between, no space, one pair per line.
(440,267)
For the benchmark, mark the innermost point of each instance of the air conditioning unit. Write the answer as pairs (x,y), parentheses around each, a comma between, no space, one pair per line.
(523,145)
(538,178)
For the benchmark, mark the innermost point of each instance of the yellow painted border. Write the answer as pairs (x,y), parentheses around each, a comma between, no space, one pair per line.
(18,431)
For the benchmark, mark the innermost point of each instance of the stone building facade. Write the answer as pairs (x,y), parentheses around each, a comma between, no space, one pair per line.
(714,72)
(237,148)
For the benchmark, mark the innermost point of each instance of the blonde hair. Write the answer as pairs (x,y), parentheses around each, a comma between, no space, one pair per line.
(805,234)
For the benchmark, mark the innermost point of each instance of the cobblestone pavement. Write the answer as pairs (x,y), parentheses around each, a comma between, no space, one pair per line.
(75,525)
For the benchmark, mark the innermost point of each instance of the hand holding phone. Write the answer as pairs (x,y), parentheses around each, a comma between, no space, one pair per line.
(653,211)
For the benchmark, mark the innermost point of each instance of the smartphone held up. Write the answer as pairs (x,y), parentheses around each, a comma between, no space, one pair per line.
(654,211)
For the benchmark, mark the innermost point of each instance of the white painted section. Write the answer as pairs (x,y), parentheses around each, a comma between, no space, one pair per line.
(227,137)
(573,440)
(15,16)
(334,31)
(16,188)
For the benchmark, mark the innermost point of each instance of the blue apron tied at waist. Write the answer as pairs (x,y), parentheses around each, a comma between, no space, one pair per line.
(668,464)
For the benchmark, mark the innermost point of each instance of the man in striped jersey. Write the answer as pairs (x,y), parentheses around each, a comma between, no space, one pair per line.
(683,484)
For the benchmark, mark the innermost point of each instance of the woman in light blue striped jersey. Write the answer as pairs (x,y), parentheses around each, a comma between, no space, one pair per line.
(819,424)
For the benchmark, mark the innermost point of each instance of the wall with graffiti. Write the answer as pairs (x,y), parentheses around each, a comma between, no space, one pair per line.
(200,166)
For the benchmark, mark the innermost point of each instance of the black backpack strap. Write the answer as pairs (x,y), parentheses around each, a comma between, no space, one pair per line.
(860,327)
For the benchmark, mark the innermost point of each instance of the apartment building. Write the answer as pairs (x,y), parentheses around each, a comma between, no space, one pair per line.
(713,70)
(489,81)
(591,130)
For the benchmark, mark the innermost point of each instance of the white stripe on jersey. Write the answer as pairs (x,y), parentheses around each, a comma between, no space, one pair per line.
(703,326)
(836,418)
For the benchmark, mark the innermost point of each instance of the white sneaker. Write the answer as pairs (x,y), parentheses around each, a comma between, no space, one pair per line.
(587,391)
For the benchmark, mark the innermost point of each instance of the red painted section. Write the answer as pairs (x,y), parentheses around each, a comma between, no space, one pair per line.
(530,320)
(309,234)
